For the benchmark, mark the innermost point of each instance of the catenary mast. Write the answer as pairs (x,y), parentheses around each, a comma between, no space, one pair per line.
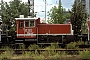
(31,8)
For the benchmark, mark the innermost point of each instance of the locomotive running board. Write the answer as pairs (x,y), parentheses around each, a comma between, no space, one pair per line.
(19,41)
(30,39)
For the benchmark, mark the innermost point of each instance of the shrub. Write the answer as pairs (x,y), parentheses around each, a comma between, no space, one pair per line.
(52,46)
(22,46)
(85,54)
(63,53)
(28,54)
(7,54)
(34,46)
(56,56)
(6,48)
(72,45)
(80,42)
(86,42)
(39,57)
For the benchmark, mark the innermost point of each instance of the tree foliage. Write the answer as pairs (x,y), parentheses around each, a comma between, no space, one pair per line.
(11,10)
(78,17)
(57,15)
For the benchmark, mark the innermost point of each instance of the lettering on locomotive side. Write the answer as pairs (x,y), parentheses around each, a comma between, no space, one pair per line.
(29,32)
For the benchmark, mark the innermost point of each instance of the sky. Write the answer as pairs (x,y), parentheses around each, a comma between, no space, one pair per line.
(39,5)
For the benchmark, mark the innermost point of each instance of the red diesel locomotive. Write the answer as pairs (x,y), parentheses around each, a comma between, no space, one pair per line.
(32,30)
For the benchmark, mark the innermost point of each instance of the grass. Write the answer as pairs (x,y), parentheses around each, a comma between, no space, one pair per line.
(72,45)
(36,55)
(22,46)
(50,54)
(85,54)
(52,46)
(42,55)
(7,54)
(33,47)
(6,48)
(75,45)
(80,42)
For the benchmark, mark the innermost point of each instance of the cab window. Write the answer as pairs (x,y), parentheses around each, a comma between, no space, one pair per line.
(29,23)
(21,24)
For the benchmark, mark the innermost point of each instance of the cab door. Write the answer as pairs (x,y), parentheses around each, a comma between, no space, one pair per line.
(20,26)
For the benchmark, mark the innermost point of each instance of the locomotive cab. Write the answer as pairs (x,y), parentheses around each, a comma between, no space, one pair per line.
(26,29)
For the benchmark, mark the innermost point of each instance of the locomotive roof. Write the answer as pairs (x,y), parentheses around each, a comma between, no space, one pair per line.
(26,18)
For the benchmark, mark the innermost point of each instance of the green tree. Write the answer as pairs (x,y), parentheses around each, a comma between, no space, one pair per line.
(78,17)
(57,15)
(10,11)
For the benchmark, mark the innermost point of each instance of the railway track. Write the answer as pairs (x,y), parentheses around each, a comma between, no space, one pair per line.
(68,51)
